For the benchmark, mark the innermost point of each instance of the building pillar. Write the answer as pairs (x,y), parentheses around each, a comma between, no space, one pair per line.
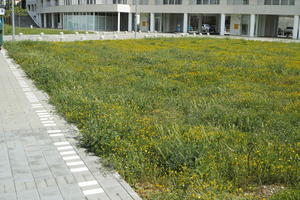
(61,20)
(252,25)
(129,21)
(296,27)
(136,21)
(52,20)
(119,21)
(222,24)
(152,22)
(299,31)
(185,22)
(45,20)
(257,25)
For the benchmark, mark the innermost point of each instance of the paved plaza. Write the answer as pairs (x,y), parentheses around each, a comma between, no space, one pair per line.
(39,156)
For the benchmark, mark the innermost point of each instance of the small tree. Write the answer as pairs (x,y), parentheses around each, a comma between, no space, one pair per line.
(20,12)
(7,16)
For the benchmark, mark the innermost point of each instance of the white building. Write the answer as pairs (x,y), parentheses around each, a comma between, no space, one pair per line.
(234,17)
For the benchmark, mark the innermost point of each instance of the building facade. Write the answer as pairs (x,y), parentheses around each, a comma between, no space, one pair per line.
(262,18)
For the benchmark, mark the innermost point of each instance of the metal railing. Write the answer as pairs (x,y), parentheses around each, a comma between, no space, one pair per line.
(33,16)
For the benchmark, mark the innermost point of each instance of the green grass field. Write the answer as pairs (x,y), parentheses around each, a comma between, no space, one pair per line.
(180,118)
(36,31)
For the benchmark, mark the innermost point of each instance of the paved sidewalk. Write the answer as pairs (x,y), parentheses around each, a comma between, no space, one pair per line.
(39,158)
(131,35)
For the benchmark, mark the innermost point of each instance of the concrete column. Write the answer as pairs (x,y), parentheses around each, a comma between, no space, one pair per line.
(52,20)
(45,20)
(185,22)
(296,27)
(61,18)
(222,24)
(152,22)
(129,21)
(119,21)
(299,32)
(252,25)
(137,21)
(257,25)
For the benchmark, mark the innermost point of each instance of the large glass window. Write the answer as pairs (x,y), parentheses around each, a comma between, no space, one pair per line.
(143,2)
(207,2)
(268,2)
(140,2)
(91,1)
(276,2)
(292,2)
(237,2)
(119,1)
(167,2)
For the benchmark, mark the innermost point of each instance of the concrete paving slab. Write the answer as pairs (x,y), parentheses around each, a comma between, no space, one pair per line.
(28,195)
(8,196)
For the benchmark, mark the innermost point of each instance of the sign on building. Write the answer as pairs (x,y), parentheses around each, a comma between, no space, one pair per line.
(2,11)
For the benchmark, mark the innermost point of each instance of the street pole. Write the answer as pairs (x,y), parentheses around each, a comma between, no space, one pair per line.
(13,19)
(135,21)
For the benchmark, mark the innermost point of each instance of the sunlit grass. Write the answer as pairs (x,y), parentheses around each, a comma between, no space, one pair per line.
(179,118)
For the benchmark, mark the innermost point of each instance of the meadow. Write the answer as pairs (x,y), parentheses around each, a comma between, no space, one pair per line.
(35,31)
(180,118)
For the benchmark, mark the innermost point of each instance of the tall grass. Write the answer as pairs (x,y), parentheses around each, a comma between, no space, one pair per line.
(179,118)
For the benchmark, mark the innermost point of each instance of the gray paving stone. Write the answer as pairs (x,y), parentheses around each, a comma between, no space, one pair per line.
(41,172)
(71,192)
(60,170)
(102,196)
(20,186)
(50,193)
(30,185)
(8,196)
(61,180)
(5,172)
(50,182)
(70,179)
(9,187)
(114,189)
(28,195)
(41,183)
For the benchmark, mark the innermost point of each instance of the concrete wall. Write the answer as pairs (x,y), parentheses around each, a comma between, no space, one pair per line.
(253,7)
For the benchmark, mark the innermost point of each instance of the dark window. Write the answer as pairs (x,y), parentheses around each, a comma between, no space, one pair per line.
(268,2)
